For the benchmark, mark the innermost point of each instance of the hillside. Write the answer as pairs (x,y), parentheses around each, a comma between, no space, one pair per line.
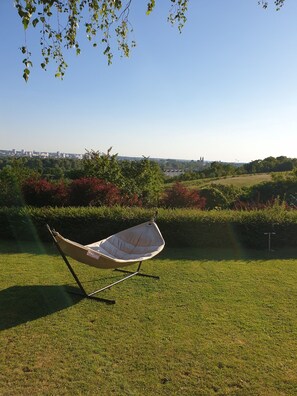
(238,181)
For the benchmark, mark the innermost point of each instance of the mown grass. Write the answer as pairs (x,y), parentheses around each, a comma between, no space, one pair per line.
(238,181)
(245,180)
(212,325)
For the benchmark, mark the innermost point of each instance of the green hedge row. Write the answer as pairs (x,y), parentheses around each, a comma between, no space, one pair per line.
(180,227)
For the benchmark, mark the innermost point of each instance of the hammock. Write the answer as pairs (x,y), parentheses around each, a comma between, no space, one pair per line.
(133,245)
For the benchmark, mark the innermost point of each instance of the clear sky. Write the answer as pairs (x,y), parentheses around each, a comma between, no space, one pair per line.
(224,89)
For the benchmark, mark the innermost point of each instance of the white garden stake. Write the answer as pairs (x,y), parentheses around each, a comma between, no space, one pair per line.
(269,239)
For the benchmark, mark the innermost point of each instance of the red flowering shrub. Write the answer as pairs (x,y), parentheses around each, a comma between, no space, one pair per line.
(80,192)
(93,192)
(179,196)
(131,200)
(256,205)
(40,192)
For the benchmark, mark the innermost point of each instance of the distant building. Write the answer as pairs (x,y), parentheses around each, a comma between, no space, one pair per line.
(173,172)
(38,154)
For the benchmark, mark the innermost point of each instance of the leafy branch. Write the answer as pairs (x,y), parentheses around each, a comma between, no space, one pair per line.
(278,4)
(102,20)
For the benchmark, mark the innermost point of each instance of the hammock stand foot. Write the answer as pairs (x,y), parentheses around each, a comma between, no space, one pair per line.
(91,297)
(138,273)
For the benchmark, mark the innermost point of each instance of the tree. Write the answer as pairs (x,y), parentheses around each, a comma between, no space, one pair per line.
(11,178)
(144,179)
(103,21)
(103,166)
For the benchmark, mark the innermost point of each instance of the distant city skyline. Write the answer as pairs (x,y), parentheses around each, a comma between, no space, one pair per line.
(59,153)
(225,89)
(37,153)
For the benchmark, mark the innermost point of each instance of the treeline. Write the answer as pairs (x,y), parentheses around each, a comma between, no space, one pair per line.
(215,170)
(221,169)
(48,168)
(104,180)
(71,168)
(271,164)
(61,182)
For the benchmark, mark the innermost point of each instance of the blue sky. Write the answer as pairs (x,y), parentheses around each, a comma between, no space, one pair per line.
(224,89)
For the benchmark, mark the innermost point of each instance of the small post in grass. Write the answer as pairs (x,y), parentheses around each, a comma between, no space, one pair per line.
(269,239)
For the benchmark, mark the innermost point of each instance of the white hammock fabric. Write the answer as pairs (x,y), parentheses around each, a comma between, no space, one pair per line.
(132,245)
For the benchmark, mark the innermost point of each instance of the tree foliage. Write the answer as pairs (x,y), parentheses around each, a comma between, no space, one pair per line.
(12,175)
(144,179)
(103,22)
(103,166)
(140,178)
(179,196)
(40,192)
(93,192)
(271,164)
(278,4)
(99,178)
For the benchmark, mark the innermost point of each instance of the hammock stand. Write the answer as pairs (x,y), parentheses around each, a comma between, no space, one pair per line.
(95,254)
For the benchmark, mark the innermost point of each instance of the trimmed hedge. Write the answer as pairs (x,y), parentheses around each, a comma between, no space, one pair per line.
(180,227)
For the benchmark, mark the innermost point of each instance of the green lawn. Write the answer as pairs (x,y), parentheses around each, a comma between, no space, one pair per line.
(214,324)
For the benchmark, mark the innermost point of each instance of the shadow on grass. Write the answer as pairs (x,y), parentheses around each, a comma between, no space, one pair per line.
(14,247)
(21,304)
(185,253)
(226,254)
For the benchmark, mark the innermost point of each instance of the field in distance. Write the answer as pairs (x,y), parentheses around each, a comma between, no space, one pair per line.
(238,181)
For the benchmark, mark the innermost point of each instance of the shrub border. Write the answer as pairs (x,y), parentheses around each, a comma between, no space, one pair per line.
(180,227)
